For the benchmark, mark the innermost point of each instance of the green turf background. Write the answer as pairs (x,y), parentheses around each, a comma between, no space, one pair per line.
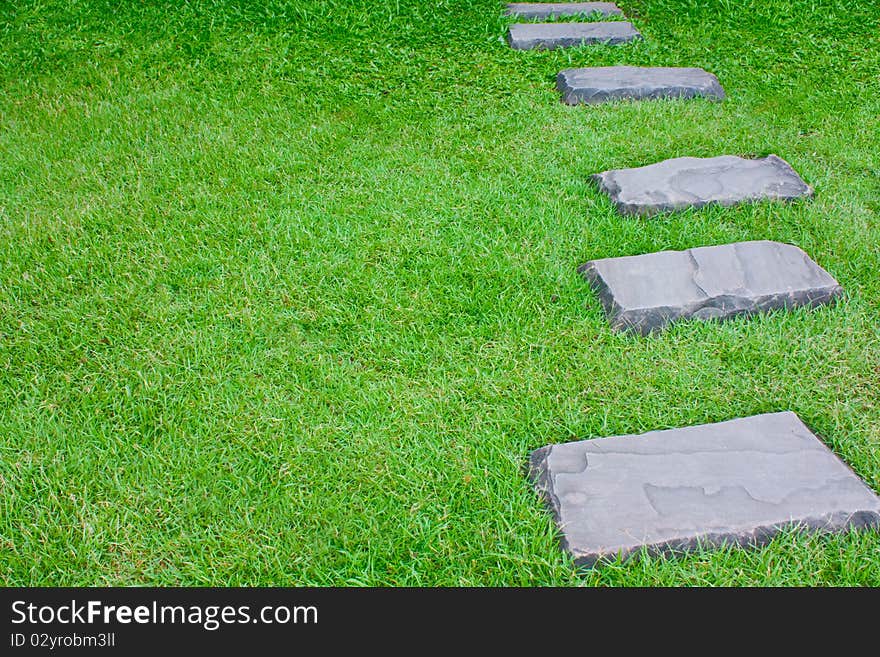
(288,290)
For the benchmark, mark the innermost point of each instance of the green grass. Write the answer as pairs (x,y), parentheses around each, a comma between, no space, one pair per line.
(288,290)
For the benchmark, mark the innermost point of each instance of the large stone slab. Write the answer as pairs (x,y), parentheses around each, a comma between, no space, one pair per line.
(605,83)
(692,182)
(644,293)
(557,9)
(737,482)
(548,36)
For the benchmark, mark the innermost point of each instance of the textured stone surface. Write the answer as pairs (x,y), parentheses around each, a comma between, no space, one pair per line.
(735,482)
(604,83)
(548,36)
(692,182)
(555,9)
(644,293)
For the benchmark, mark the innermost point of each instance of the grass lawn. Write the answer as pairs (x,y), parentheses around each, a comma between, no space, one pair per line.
(288,290)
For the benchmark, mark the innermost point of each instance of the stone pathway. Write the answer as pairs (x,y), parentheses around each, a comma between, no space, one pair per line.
(606,83)
(692,182)
(734,482)
(644,293)
(549,36)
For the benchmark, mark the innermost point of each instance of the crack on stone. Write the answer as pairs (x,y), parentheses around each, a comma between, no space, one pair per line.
(657,496)
(745,273)
(580,470)
(695,266)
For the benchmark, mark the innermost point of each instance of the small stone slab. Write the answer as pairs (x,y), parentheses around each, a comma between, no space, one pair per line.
(645,293)
(606,83)
(692,182)
(737,482)
(549,36)
(557,9)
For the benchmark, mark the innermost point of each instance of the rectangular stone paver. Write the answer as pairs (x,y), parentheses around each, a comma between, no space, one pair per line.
(556,9)
(605,83)
(644,293)
(737,482)
(548,36)
(693,182)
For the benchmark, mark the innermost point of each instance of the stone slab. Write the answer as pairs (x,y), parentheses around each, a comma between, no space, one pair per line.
(531,10)
(736,482)
(645,293)
(692,182)
(605,83)
(549,36)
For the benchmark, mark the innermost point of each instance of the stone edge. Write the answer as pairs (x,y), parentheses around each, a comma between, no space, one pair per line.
(613,41)
(509,12)
(570,95)
(611,190)
(645,321)
(539,476)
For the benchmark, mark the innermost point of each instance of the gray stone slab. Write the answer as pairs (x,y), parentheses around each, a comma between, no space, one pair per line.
(605,83)
(548,36)
(692,182)
(644,293)
(737,482)
(558,9)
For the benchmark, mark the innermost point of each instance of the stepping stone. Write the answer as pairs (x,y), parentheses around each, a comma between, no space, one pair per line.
(604,83)
(548,36)
(737,482)
(557,9)
(692,182)
(645,293)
